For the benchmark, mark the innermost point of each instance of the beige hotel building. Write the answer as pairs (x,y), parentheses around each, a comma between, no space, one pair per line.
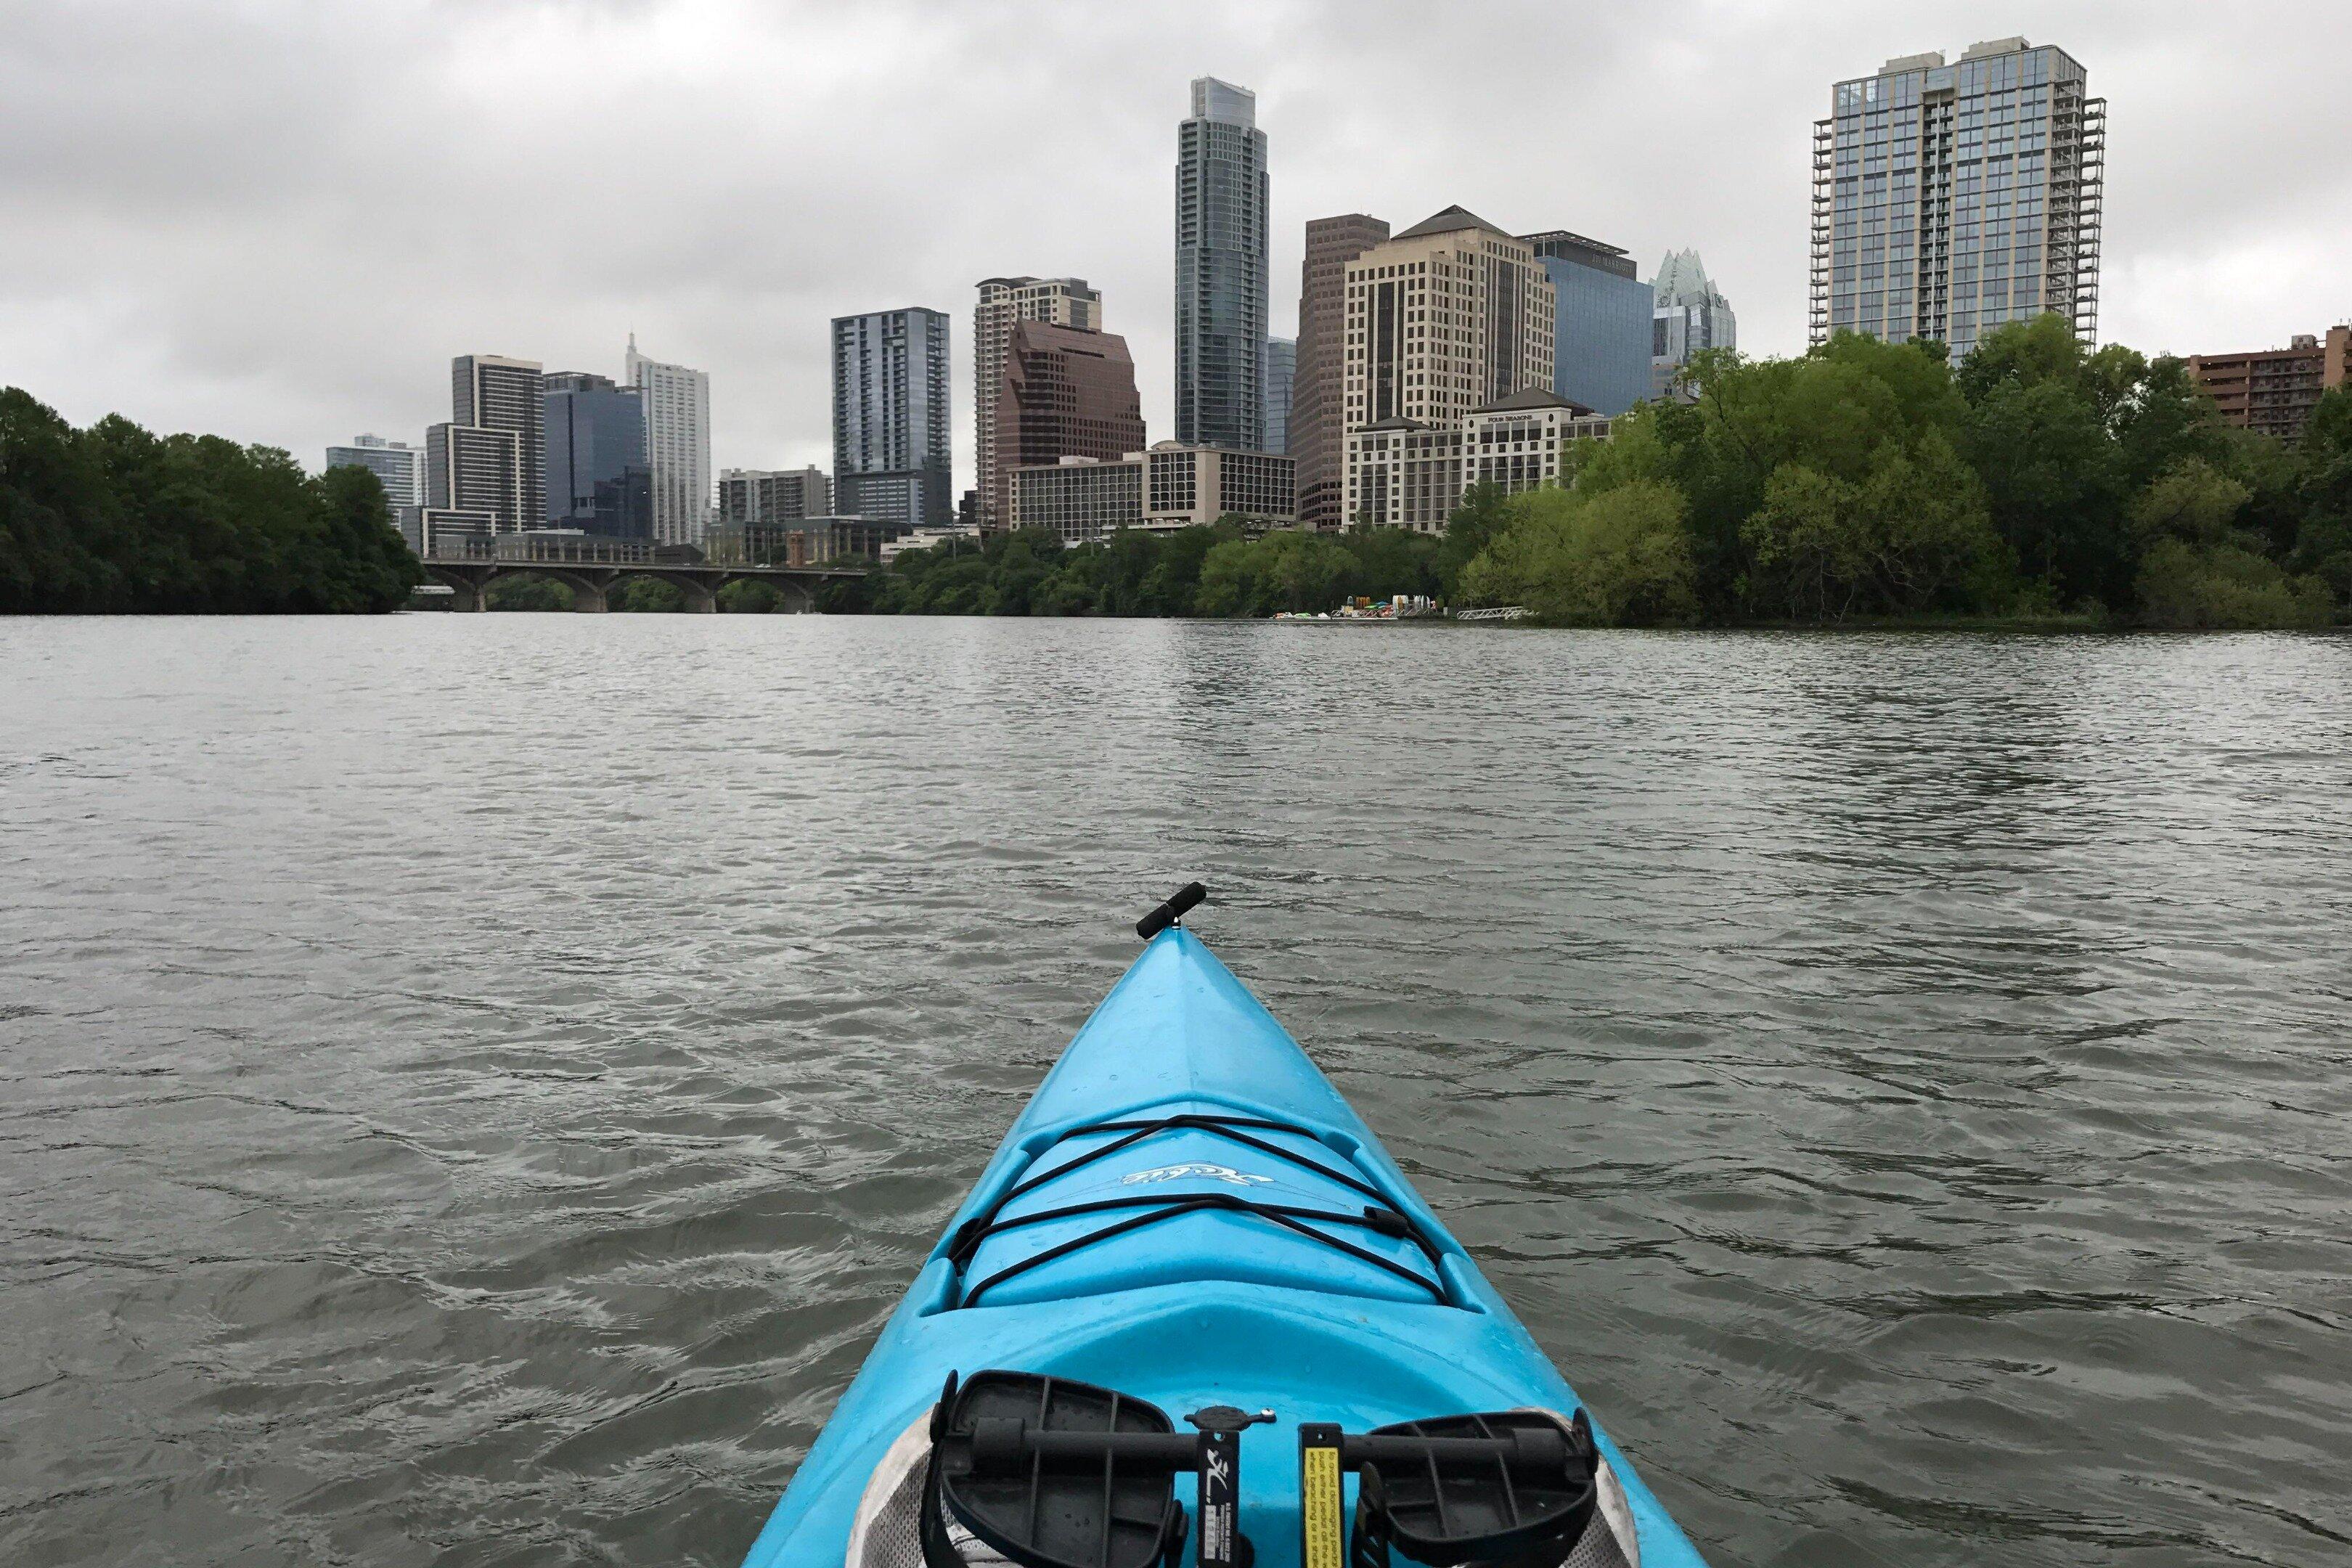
(1449,318)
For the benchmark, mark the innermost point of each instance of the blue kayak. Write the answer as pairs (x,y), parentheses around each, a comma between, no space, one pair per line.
(1193,1312)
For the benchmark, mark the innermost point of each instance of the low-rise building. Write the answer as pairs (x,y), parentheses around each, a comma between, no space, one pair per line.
(1079,499)
(1517,441)
(450,530)
(1411,475)
(773,495)
(801,542)
(1168,487)
(925,538)
(2274,390)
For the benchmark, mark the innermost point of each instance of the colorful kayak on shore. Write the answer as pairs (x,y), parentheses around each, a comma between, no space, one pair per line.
(1193,1314)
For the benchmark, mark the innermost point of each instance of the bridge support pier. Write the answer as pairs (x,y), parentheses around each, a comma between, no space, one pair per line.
(587,597)
(702,599)
(475,597)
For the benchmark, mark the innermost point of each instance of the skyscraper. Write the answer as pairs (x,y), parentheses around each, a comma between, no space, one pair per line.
(397,465)
(1601,328)
(1221,249)
(1688,313)
(1447,320)
(890,438)
(1948,199)
(1318,396)
(597,475)
(678,444)
(1064,394)
(1065,301)
(491,457)
(1281,379)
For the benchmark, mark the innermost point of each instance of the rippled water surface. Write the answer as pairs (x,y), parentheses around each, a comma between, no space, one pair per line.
(471,1087)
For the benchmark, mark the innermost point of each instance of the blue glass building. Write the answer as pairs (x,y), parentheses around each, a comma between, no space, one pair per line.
(1601,341)
(597,475)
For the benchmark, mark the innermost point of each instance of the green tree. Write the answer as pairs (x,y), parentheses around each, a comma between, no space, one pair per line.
(528,592)
(2199,569)
(114,519)
(1618,558)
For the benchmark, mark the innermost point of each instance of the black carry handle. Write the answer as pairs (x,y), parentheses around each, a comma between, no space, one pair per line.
(1178,905)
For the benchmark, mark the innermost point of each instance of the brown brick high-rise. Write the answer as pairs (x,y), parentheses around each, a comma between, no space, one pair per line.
(1066,393)
(1318,393)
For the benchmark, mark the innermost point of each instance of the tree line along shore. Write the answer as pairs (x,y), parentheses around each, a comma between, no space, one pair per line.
(1866,482)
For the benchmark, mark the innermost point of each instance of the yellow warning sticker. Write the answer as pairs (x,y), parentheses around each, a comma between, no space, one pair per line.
(1319,1507)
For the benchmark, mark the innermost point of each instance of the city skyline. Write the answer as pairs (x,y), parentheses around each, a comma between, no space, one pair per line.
(232,308)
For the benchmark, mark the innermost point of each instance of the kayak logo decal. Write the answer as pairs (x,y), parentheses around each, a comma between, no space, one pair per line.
(1194,1172)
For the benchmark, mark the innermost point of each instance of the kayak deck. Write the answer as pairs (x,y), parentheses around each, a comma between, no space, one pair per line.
(1189,1212)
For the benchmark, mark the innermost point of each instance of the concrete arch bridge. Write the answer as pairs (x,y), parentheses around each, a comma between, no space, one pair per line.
(591,580)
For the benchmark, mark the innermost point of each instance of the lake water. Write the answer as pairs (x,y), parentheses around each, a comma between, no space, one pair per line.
(471,1087)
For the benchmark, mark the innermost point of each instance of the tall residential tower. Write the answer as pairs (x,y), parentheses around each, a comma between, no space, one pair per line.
(490,459)
(890,438)
(678,444)
(1221,250)
(397,465)
(1003,301)
(1948,199)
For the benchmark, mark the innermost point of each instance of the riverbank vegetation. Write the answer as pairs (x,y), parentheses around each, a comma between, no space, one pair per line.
(115,519)
(1866,483)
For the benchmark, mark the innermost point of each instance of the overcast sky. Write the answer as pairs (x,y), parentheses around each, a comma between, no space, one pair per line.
(278,220)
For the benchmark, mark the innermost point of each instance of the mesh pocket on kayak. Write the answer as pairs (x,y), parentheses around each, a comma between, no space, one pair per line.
(889,1530)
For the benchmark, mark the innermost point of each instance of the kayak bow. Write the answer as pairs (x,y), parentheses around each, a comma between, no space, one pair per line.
(1190,1276)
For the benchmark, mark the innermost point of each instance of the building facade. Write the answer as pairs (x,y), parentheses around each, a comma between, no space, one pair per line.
(2274,391)
(1221,277)
(1688,313)
(1080,500)
(597,477)
(799,542)
(1168,487)
(1443,319)
(1063,393)
(1191,485)
(771,496)
(476,471)
(397,466)
(1317,423)
(491,456)
(1411,474)
(1517,444)
(1003,302)
(1949,199)
(450,530)
(1281,380)
(1602,329)
(890,432)
(678,444)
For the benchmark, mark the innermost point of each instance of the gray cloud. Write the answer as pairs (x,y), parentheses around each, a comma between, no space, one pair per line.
(279,220)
